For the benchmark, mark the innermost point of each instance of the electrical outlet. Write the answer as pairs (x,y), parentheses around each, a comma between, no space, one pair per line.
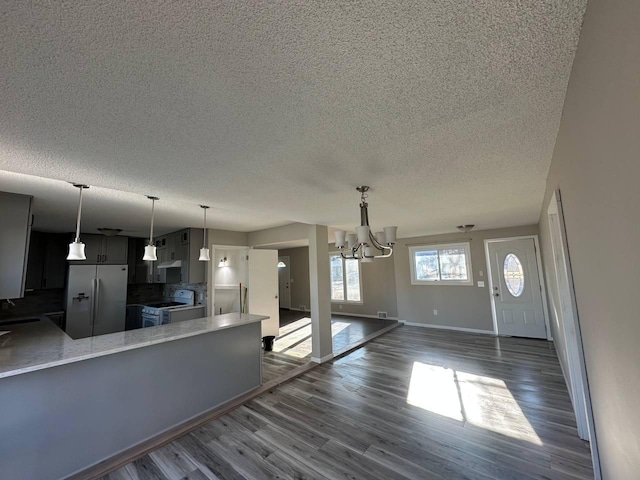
(435,312)
(480,284)
(382,314)
(303,307)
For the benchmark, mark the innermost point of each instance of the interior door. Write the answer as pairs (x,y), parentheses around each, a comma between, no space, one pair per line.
(263,289)
(284,282)
(111,299)
(515,288)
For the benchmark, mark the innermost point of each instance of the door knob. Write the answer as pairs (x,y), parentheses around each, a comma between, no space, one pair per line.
(496,294)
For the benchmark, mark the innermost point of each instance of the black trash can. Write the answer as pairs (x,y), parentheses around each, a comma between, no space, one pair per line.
(268,342)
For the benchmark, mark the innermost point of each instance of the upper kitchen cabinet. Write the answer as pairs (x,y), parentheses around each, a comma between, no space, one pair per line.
(47,264)
(192,269)
(15,232)
(178,254)
(103,250)
(140,271)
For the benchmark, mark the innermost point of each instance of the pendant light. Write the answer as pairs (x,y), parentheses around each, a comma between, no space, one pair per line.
(204,251)
(150,249)
(76,248)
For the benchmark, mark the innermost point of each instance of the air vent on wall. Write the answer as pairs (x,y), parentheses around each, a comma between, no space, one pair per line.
(382,314)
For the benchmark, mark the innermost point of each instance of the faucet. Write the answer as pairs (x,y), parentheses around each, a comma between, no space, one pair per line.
(11,304)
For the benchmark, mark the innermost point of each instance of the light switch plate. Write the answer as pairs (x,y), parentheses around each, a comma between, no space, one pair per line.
(481,284)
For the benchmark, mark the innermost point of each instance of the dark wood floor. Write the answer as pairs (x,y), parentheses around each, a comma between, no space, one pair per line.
(293,347)
(414,403)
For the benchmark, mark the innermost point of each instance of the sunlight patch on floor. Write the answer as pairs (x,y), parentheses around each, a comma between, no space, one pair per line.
(295,338)
(482,401)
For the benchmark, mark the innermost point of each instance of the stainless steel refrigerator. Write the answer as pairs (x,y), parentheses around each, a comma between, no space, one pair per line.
(96,300)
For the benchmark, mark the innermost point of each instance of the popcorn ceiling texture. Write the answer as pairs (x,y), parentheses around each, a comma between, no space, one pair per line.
(276,110)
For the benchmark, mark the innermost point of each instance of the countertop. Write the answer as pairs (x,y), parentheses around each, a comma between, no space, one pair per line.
(39,345)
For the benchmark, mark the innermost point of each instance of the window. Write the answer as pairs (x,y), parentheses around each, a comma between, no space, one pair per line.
(441,264)
(345,280)
(513,275)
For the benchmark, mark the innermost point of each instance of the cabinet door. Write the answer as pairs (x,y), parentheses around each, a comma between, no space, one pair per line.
(184,236)
(114,250)
(184,269)
(160,273)
(173,240)
(35,265)
(55,265)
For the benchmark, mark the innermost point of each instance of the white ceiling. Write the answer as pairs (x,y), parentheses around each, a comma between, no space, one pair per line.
(273,112)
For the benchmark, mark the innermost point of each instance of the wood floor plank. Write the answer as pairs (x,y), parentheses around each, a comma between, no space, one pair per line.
(511,418)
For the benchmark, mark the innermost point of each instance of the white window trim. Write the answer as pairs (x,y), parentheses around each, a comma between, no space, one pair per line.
(441,246)
(347,302)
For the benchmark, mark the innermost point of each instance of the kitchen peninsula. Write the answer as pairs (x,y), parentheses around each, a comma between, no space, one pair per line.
(68,404)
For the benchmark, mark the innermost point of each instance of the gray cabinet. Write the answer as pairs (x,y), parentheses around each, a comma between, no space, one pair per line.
(114,250)
(140,271)
(47,266)
(192,270)
(183,245)
(15,232)
(103,250)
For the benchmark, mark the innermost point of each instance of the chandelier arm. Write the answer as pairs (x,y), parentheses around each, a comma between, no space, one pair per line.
(377,244)
(386,255)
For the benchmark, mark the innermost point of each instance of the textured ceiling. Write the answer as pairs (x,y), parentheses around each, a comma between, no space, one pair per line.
(274,111)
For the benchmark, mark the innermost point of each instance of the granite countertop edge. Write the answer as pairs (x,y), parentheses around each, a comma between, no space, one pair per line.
(103,345)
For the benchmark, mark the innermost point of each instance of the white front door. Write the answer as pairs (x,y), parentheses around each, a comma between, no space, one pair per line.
(515,288)
(284,279)
(263,289)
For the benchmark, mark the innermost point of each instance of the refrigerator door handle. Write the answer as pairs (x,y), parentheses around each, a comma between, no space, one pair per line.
(96,299)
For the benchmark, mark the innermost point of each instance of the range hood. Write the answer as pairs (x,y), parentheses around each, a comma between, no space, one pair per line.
(171,264)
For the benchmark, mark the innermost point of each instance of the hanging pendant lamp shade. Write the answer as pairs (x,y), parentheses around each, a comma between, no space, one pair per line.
(150,249)
(204,251)
(76,248)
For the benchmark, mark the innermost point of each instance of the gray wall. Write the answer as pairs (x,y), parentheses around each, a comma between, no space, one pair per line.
(378,284)
(458,306)
(56,421)
(596,164)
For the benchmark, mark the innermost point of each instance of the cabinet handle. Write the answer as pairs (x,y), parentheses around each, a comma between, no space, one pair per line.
(104,258)
(98,258)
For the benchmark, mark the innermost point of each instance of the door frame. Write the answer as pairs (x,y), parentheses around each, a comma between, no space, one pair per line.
(543,289)
(288,268)
(578,381)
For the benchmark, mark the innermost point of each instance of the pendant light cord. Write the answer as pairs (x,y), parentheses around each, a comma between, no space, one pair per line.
(153,206)
(79,215)
(204,229)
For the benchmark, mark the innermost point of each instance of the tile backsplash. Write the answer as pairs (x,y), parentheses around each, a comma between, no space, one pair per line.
(34,302)
(142,293)
(199,288)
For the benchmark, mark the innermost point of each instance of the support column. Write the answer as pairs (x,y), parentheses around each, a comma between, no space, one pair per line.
(320,290)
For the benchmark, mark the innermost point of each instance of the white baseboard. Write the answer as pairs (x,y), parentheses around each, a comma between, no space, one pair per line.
(326,358)
(300,310)
(447,327)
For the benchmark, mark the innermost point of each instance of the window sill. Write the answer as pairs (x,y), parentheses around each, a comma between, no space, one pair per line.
(346,302)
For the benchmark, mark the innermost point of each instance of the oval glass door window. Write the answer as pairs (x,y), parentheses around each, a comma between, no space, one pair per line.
(513,275)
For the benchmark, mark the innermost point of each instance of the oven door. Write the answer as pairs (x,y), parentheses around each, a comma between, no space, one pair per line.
(150,320)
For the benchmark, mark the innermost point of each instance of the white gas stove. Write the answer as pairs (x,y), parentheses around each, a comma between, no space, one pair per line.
(158,313)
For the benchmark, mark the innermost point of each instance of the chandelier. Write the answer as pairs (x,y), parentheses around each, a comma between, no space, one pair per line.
(361,244)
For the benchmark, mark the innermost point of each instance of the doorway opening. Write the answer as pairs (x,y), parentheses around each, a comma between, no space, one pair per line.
(566,315)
